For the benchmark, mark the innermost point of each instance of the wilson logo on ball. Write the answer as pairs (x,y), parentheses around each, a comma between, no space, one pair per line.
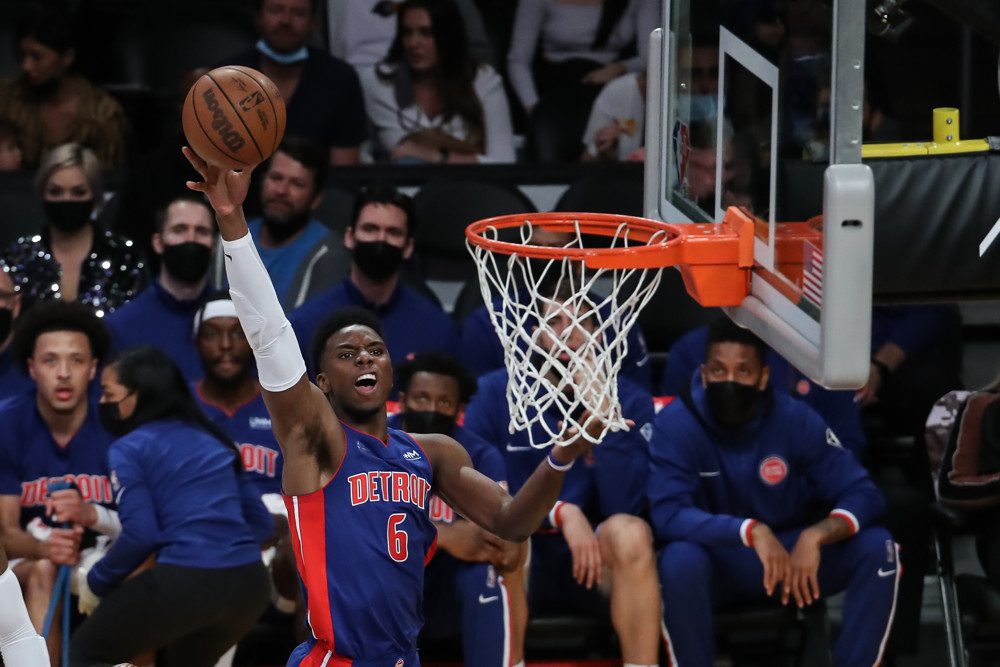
(230,137)
(773,470)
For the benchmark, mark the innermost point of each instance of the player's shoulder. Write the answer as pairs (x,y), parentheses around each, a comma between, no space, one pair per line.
(491,383)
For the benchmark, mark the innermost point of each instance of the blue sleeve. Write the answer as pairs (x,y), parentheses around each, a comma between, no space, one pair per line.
(673,481)
(912,328)
(481,349)
(258,519)
(484,416)
(843,416)
(489,461)
(840,480)
(622,461)
(137,513)
(635,366)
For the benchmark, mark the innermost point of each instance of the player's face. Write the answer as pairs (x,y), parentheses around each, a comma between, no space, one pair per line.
(431,392)
(560,318)
(67,184)
(186,221)
(418,40)
(288,190)
(40,63)
(356,372)
(62,365)
(225,353)
(735,362)
(285,24)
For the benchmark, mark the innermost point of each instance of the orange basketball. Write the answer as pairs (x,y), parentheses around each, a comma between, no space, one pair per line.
(234,117)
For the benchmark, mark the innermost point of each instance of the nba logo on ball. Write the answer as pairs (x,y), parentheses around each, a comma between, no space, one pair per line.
(773,470)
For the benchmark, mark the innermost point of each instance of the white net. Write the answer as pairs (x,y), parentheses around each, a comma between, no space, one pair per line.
(564,330)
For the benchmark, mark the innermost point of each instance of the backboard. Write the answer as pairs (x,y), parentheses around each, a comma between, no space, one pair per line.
(737,88)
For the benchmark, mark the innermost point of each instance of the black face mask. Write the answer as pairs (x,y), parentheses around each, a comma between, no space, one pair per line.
(111,418)
(732,403)
(188,261)
(6,322)
(378,260)
(428,421)
(69,216)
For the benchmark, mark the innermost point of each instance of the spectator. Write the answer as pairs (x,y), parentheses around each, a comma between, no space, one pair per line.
(230,394)
(360,31)
(466,584)
(19,643)
(322,95)
(482,352)
(162,314)
(581,42)
(297,250)
(13,380)
(53,434)
(380,238)
(182,495)
(72,259)
(737,471)
(50,104)
(429,101)
(596,526)
(11,153)
(616,130)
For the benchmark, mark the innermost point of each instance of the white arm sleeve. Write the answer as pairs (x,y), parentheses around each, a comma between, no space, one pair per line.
(279,361)
(108,522)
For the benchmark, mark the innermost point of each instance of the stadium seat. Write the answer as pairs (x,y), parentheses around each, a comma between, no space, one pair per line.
(335,209)
(555,129)
(603,194)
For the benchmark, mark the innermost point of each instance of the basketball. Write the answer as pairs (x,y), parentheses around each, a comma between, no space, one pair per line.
(234,117)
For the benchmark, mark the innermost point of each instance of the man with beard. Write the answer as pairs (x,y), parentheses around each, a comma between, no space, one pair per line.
(322,94)
(380,238)
(292,245)
(162,315)
(750,494)
(474,584)
(50,104)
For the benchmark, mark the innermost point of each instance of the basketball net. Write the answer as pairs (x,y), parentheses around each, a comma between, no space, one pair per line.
(564,331)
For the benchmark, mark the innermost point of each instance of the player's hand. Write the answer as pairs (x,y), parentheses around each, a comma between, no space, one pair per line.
(772,554)
(803,568)
(505,556)
(868,394)
(583,545)
(63,545)
(67,505)
(88,600)
(226,189)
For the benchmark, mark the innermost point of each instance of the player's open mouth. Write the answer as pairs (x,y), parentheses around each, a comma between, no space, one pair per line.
(365,384)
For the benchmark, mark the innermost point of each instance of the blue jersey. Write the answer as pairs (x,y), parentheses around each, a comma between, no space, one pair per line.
(156,318)
(250,428)
(837,408)
(485,459)
(30,460)
(412,323)
(482,351)
(361,543)
(179,495)
(785,468)
(608,481)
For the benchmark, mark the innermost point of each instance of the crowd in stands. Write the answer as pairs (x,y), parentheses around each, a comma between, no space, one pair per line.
(124,368)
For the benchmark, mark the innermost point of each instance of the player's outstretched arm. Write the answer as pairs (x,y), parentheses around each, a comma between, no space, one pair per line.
(480,499)
(301,418)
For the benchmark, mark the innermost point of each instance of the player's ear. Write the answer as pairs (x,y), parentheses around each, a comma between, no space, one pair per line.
(349,237)
(765,375)
(157,243)
(408,248)
(323,383)
(93,370)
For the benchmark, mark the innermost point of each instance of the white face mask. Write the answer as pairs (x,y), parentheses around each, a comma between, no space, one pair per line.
(297,56)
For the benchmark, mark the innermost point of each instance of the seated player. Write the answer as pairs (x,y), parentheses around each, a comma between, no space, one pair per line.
(19,643)
(52,434)
(482,351)
(466,584)
(380,238)
(356,490)
(751,495)
(596,545)
(162,313)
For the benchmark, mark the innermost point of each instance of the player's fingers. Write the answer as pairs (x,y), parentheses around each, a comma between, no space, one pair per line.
(768,576)
(196,186)
(199,164)
(814,585)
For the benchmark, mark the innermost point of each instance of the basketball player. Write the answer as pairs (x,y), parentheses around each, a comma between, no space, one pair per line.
(356,491)
(19,643)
